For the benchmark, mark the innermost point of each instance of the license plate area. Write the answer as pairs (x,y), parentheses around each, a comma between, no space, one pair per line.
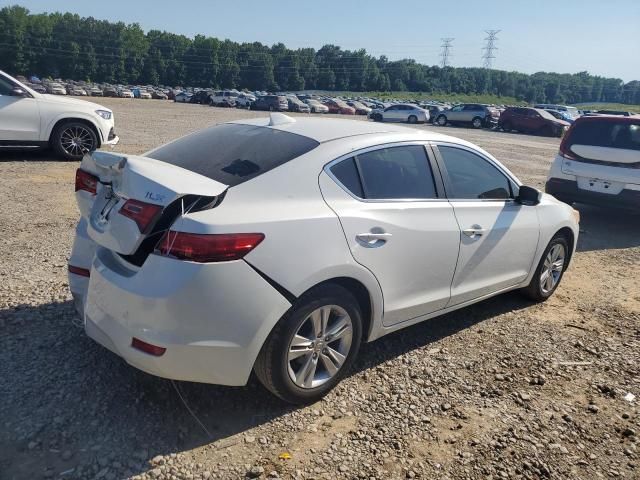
(104,206)
(597,185)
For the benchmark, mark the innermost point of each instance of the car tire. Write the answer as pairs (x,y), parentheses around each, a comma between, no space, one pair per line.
(507,127)
(412,119)
(282,367)
(72,140)
(377,117)
(477,122)
(441,120)
(549,272)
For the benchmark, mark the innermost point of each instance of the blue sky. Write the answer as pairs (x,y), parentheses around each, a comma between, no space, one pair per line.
(600,36)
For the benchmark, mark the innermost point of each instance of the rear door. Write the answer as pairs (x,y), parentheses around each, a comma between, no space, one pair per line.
(499,237)
(397,224)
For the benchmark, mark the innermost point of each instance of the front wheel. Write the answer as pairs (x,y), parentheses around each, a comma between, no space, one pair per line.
(72,140)
(477,122)
(312,346)
(550,270)
(442,120)
(412,119)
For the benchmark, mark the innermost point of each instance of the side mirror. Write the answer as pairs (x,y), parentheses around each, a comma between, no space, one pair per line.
(528,195)
(18,92)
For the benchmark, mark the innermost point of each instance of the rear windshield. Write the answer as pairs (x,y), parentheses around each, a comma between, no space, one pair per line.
(606,133)
(232,153)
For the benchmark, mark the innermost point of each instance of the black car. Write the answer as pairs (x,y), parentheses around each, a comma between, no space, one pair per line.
(273,103)
(201,97)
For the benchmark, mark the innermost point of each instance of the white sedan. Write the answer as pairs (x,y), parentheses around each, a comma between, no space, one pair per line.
(400,112)
(203,261)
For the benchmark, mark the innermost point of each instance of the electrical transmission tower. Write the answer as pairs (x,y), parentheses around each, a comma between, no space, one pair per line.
(489,48)
(446,51)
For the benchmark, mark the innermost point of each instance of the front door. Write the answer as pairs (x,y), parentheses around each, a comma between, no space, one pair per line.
(499,237)
(398,225)
(19,116)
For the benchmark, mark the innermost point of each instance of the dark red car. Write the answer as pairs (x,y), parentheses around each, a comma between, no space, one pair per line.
(335,105)
(532,120)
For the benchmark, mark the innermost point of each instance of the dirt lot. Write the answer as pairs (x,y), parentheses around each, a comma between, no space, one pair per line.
(504,389)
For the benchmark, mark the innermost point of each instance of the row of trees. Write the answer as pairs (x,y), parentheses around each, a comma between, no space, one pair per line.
(70,46)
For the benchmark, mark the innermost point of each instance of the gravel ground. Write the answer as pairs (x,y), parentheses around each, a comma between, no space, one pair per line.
(503,389)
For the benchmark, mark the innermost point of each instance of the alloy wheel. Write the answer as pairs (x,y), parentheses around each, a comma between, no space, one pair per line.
(552,268)
(76,140)
(320,346)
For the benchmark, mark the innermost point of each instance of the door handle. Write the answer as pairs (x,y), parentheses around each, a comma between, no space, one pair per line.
(474,232)
(373,239)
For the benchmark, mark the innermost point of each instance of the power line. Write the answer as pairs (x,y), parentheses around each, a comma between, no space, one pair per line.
(446,51)
(489,48)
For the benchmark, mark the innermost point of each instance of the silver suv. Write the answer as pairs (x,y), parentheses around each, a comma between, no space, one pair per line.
(474,114)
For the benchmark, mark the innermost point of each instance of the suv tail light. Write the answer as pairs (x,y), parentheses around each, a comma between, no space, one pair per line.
(140,212)
(203,248)
(565,148)
(85,181)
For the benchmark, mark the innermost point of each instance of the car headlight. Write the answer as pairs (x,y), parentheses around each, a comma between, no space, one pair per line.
(106,114)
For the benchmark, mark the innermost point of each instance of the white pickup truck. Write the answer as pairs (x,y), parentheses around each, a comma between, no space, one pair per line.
(69,126)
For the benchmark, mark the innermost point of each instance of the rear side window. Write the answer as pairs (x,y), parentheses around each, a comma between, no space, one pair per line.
(606,133)
(388,174)
(472,177)
(232,154)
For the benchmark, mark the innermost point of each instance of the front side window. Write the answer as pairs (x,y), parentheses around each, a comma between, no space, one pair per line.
(388,173)
(473,177)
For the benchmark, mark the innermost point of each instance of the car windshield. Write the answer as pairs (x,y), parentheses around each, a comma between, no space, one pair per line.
(234,153)
(545,114)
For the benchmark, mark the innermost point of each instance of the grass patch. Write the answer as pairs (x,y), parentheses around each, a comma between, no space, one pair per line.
(609,106)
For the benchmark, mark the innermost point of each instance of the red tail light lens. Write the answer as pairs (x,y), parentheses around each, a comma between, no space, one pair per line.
(203,248)
(140,212)
(147,347)
(85,181)
(565,148)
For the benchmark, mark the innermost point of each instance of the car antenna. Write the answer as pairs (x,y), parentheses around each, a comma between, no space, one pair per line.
(280,119)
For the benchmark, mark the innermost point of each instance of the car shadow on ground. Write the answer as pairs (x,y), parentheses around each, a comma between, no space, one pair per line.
(607,228)
(32,155)
(63,392)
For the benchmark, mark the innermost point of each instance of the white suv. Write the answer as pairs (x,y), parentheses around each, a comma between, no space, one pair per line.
(71,127)
(599,163)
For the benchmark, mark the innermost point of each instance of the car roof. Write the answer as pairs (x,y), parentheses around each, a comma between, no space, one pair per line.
(328,129)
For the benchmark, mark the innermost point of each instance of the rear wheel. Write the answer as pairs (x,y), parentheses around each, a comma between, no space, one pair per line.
(550,270)
(312,346)
(412,119)
(476,122)
(72,140)
(442,120)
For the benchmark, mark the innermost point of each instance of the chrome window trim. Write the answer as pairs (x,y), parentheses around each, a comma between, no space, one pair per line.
(422,143)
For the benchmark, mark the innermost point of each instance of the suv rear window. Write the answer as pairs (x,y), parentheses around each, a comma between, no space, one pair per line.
(606,133)
(231,153)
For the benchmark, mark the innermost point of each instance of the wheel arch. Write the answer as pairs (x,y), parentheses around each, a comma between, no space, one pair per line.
(569,236)
(78,119)
(361,294)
